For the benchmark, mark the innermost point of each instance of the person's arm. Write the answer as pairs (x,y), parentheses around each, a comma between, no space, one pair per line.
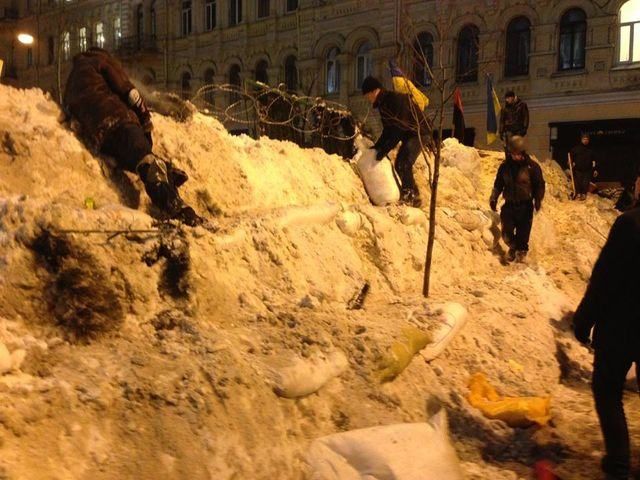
(538,185)
(498,188)
(608,271)
(501,129)
(389,138)
(392,132)
(524,112)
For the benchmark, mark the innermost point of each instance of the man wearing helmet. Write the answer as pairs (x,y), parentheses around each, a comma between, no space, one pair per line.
(519,180)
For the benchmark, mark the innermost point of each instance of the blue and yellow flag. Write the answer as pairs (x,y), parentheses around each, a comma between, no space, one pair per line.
(402,84)
(493,112)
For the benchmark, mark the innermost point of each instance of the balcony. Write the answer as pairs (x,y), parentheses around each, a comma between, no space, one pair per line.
(139,44)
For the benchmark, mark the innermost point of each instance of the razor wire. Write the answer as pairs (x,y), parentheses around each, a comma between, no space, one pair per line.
(267,108)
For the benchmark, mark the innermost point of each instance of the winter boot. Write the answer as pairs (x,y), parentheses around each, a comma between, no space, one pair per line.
(410,198)
(521,256)
(177,176)
(511,254)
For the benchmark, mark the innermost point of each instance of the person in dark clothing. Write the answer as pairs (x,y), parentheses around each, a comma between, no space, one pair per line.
(519,180)
(583,163)
(402,122)
(114,120)
(514,117)
(611,305)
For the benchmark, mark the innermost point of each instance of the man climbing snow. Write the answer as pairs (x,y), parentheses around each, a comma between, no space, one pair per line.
(583,164)
(115,121)
(519,180)
(514,117)
(611,305)
(402,122)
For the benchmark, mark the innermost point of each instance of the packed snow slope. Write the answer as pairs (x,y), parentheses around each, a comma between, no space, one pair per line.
(173,377)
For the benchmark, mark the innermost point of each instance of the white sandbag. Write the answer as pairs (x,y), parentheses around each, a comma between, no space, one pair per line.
(311,215)
(466,159)
(349,222)
(306,376)
(407,451)
(452,318)
(378,178)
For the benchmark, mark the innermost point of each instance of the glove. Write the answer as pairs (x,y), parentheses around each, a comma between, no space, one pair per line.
(493,204)
(379,155)
(537,204)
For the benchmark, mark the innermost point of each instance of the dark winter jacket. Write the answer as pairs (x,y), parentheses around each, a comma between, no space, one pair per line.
(96,95)
(582,158)
(514,118)
(519,182)
(611,301)
(400,120)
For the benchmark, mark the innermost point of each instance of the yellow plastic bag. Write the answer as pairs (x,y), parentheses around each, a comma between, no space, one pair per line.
(514,411)
(401,353)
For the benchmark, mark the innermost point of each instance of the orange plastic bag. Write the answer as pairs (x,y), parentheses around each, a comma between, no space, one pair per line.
(514,411)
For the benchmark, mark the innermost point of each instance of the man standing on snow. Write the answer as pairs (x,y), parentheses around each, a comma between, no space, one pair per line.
(519,180)
(583,163)
(402,122)
(611,305)
(514,118)
(115,121)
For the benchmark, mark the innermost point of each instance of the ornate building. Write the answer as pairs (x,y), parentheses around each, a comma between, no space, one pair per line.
(575,62)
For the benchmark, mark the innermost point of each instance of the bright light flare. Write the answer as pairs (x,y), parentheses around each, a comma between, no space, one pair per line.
(25,39)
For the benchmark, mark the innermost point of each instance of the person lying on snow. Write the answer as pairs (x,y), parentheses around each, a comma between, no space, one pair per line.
(115,121)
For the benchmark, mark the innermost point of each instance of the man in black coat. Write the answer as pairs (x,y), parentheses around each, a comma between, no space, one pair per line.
(514,117)
(402,121)
(114,120)
(519,180)
(611,305)
(583,163)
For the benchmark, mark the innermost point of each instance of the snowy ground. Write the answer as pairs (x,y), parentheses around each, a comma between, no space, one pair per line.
(182,385)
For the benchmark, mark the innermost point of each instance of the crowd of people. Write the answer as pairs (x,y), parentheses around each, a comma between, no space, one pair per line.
(114,120)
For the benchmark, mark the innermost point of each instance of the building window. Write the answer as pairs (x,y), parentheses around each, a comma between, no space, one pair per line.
(235,12)
(100,34)
(467,55)
(82,39)
(117,32)
(209,15)
(51,50)
(423,56)
(263,8)
(291,73)
(66,45)
(152,15)
(333,71)
(209,94)
(517,48)
(29,57)
(185,85)
(292,5)
(236,81)
(186,19)
(573,30)
(140,25)
(261,72)
(630,32)
(364,64)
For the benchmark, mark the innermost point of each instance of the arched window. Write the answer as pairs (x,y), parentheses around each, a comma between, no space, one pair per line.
(517,49)
(261,72)
(364,63)
(66,45)
(291,73)
(100,34)
(139,25)
(630,32)
(186,18)
(423,52)
(235,12)
(573,28)
(333,71)
(235,80)
(208,78)
(467,55)
(82,39)
(185,85)
(117,32)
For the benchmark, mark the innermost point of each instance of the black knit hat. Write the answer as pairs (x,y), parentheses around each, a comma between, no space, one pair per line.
(509,94)
(370,84)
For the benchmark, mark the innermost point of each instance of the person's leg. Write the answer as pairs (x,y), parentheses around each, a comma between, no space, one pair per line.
(128,145)
(609,374)
(523,218)
(508,228)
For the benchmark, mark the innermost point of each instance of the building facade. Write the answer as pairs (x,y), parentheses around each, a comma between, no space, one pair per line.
(575,62)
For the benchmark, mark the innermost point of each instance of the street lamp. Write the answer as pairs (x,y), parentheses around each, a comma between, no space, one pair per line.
(25,39)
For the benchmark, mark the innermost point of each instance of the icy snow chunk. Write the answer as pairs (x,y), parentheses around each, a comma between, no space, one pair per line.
(466,159)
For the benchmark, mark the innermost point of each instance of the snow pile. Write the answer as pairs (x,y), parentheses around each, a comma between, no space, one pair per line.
(187,379)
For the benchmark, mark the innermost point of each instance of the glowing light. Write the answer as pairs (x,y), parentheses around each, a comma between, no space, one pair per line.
(25,38)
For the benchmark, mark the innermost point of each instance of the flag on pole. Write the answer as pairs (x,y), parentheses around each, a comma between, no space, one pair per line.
(402,84)
(493,112)
(458,116)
